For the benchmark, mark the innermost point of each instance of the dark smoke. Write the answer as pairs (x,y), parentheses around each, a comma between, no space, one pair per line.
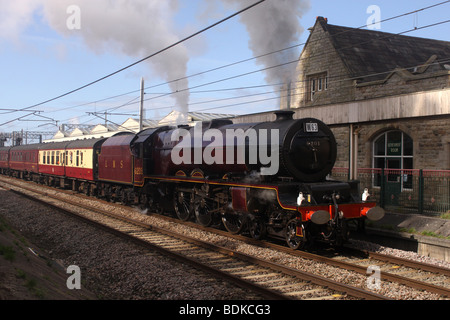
(274,25)
(138,28)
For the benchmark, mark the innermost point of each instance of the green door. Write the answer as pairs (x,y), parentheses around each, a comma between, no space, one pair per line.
(393,181)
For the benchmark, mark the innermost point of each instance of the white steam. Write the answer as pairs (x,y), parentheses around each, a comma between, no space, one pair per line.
(15,16)
(138,28)
(274,25)
(135,28)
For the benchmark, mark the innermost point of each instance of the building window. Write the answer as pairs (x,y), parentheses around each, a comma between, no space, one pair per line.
(316,83)
(393,151)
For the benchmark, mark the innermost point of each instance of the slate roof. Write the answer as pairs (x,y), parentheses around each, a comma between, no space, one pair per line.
(375,53)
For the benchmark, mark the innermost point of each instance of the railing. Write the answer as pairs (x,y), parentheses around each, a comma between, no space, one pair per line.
(404,190)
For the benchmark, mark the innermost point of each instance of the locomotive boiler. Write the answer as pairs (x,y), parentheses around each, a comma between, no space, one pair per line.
(265,178)
(304,150)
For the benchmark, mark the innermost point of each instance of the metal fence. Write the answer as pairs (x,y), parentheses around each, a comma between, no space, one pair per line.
(400,190)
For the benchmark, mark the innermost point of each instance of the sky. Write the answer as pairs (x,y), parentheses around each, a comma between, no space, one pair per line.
(51,47)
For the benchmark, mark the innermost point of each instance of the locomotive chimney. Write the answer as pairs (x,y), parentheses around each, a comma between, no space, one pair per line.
(284,115)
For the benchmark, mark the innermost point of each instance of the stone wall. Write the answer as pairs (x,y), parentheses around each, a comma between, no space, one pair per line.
(401,83)
(319,56)
(431,142)
(341,133)
(424,116)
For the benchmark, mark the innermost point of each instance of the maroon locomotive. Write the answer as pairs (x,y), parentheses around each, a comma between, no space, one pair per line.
(264,179)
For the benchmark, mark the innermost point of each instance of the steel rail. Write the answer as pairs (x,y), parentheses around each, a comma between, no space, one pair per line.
(271,294)
(346,265)
(264,292)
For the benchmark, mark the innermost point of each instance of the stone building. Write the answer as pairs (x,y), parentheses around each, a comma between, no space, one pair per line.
(387,99)
(395,86)
(340,64)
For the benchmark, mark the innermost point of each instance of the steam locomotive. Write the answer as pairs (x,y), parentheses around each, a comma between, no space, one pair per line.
(262,179)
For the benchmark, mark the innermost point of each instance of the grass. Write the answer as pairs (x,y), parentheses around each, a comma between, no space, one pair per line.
(445,215)
(409,230)
(8,253)
(433,234)
(30,284)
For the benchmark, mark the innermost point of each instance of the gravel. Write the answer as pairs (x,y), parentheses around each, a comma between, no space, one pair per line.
(365,245)
(114,269)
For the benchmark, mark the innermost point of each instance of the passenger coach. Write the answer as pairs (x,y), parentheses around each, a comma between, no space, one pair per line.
(51,158)
(4,160)
(23,161)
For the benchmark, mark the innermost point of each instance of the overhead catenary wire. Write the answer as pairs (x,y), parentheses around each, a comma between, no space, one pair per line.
(294,61)
(275,98)
(299,85)
(260,70)
(284,91)
(147,57)
(262,55)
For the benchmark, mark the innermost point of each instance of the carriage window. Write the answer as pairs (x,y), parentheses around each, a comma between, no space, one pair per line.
(81,158)
(57,157)
(48,157)
(78,158)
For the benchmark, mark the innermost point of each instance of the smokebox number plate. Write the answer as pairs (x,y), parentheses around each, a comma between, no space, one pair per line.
(311,127)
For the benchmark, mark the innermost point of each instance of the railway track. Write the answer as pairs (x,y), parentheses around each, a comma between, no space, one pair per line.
(265,278)
(392,269)
(414,274)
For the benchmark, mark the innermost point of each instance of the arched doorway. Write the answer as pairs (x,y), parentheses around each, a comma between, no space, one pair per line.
(393,152)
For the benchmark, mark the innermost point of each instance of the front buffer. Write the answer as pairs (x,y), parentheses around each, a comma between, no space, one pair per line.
(329,223)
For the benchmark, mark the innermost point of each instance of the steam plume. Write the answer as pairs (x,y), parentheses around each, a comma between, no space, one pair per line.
(15,17)
(274,25)
(136,28)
